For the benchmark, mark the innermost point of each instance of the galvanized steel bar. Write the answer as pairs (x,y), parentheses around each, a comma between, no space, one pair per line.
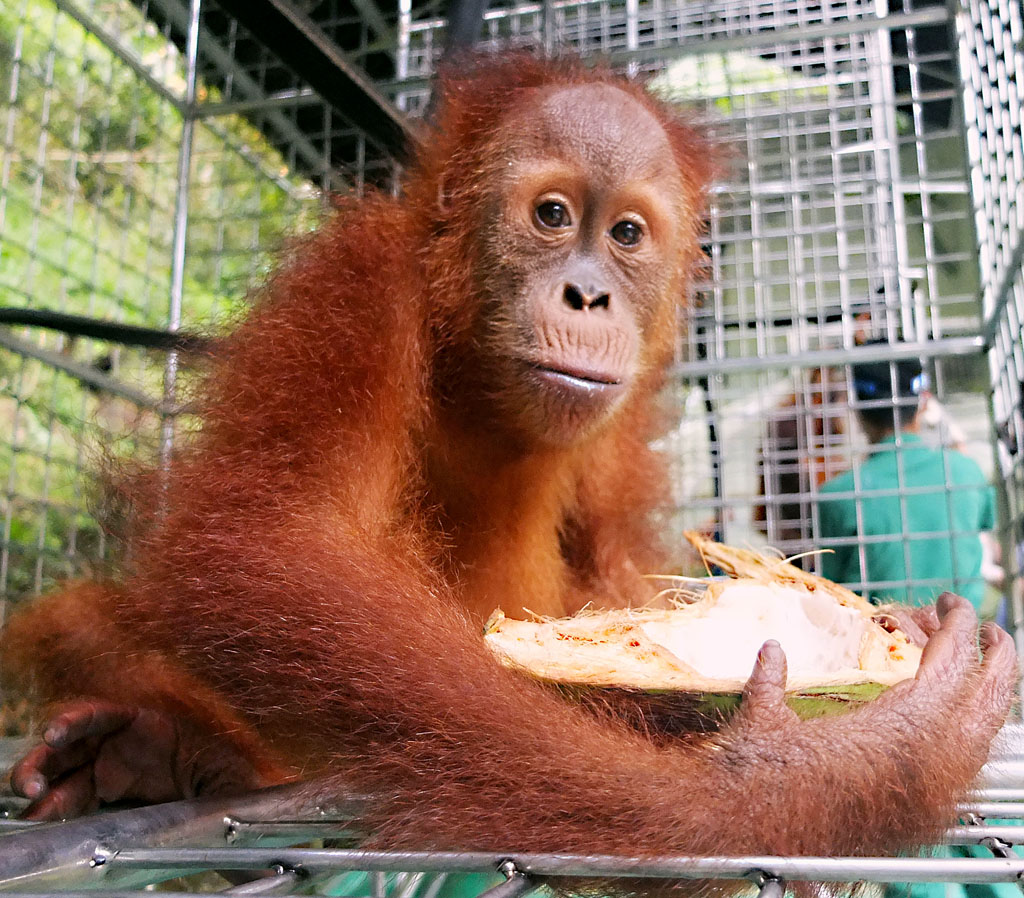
(74,853)
(179,235)
(313,861)
(947,347)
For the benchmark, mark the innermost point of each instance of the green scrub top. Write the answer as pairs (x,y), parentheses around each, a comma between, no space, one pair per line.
(431,885)
(948,520)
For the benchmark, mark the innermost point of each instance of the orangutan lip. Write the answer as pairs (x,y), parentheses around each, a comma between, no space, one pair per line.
(578,384)
(580,376)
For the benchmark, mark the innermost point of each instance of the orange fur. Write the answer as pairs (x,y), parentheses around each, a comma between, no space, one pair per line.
(319,544)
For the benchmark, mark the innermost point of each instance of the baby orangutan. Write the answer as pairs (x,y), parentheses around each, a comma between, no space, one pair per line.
(440,404)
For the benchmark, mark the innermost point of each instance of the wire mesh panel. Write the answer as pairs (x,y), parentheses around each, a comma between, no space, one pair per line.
(152,162)
(840,230)
(992,56)
(125,198)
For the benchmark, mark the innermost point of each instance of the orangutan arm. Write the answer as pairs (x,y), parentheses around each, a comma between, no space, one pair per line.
(120,723)
(369,671)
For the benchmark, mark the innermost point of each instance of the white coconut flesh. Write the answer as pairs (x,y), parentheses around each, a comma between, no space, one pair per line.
(711,645)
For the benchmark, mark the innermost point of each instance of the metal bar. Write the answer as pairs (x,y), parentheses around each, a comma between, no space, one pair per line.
(993,808)
(307,830)
(770,887)
(181,220)
(374,18)
(876,869)
(881,352)
(215,53)
(279,884)
(710,46)
(316,58)
(293,831)
(465,20)
(515,884)
(84,373)
(99,329)
(998,796)
(1013,272)
(976,835)
(111,42)
(288,99)
(789,35)
(79,852)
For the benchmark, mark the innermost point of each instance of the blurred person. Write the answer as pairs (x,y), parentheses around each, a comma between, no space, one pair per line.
(956,507)
(933,502)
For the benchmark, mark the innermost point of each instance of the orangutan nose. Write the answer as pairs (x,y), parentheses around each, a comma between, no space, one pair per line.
(581,298)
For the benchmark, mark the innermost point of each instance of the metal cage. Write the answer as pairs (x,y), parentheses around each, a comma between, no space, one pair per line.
(154,155)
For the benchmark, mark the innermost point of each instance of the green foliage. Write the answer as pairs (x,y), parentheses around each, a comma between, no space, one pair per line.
(88,187)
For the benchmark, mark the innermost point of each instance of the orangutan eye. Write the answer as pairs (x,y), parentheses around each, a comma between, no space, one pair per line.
(553,215)
(627,233)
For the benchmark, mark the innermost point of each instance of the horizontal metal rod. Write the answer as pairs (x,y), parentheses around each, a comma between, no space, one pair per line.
(1013,834)
(295,830)
(84,373)
(782,36)
(996,796)
(714,46)
(132,847)
(73,853)
(299,831)
(818,358)
(993,808)
(875,869)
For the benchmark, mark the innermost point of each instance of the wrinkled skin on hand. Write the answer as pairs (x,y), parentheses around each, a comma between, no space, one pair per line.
(96,752)
(917,622)
(954,681)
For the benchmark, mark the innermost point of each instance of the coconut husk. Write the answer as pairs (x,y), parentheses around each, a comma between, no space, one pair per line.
(683,669)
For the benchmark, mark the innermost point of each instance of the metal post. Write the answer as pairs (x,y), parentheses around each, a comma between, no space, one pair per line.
(181,223)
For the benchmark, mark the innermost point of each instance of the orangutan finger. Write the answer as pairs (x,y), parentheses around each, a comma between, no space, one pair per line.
(27,780)
(764,695)
(34,774)
(952,649)
(71,797)
(86,719)
(926,619)
(900,617)
(990,694)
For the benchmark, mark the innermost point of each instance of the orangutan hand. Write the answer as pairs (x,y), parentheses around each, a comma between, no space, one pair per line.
(957,694)
(918,623)
(96,752)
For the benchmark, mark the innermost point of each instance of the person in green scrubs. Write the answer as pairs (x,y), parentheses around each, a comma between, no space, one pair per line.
(916,512)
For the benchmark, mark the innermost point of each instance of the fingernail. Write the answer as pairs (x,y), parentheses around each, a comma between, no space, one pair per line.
(54,736)
(34,788)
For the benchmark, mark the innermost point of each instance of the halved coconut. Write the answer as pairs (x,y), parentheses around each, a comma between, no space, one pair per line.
(686,666)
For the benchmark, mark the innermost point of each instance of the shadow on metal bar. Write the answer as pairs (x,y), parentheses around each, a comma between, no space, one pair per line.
(256,834)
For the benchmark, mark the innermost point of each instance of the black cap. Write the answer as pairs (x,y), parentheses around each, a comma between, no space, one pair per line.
(873,380)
